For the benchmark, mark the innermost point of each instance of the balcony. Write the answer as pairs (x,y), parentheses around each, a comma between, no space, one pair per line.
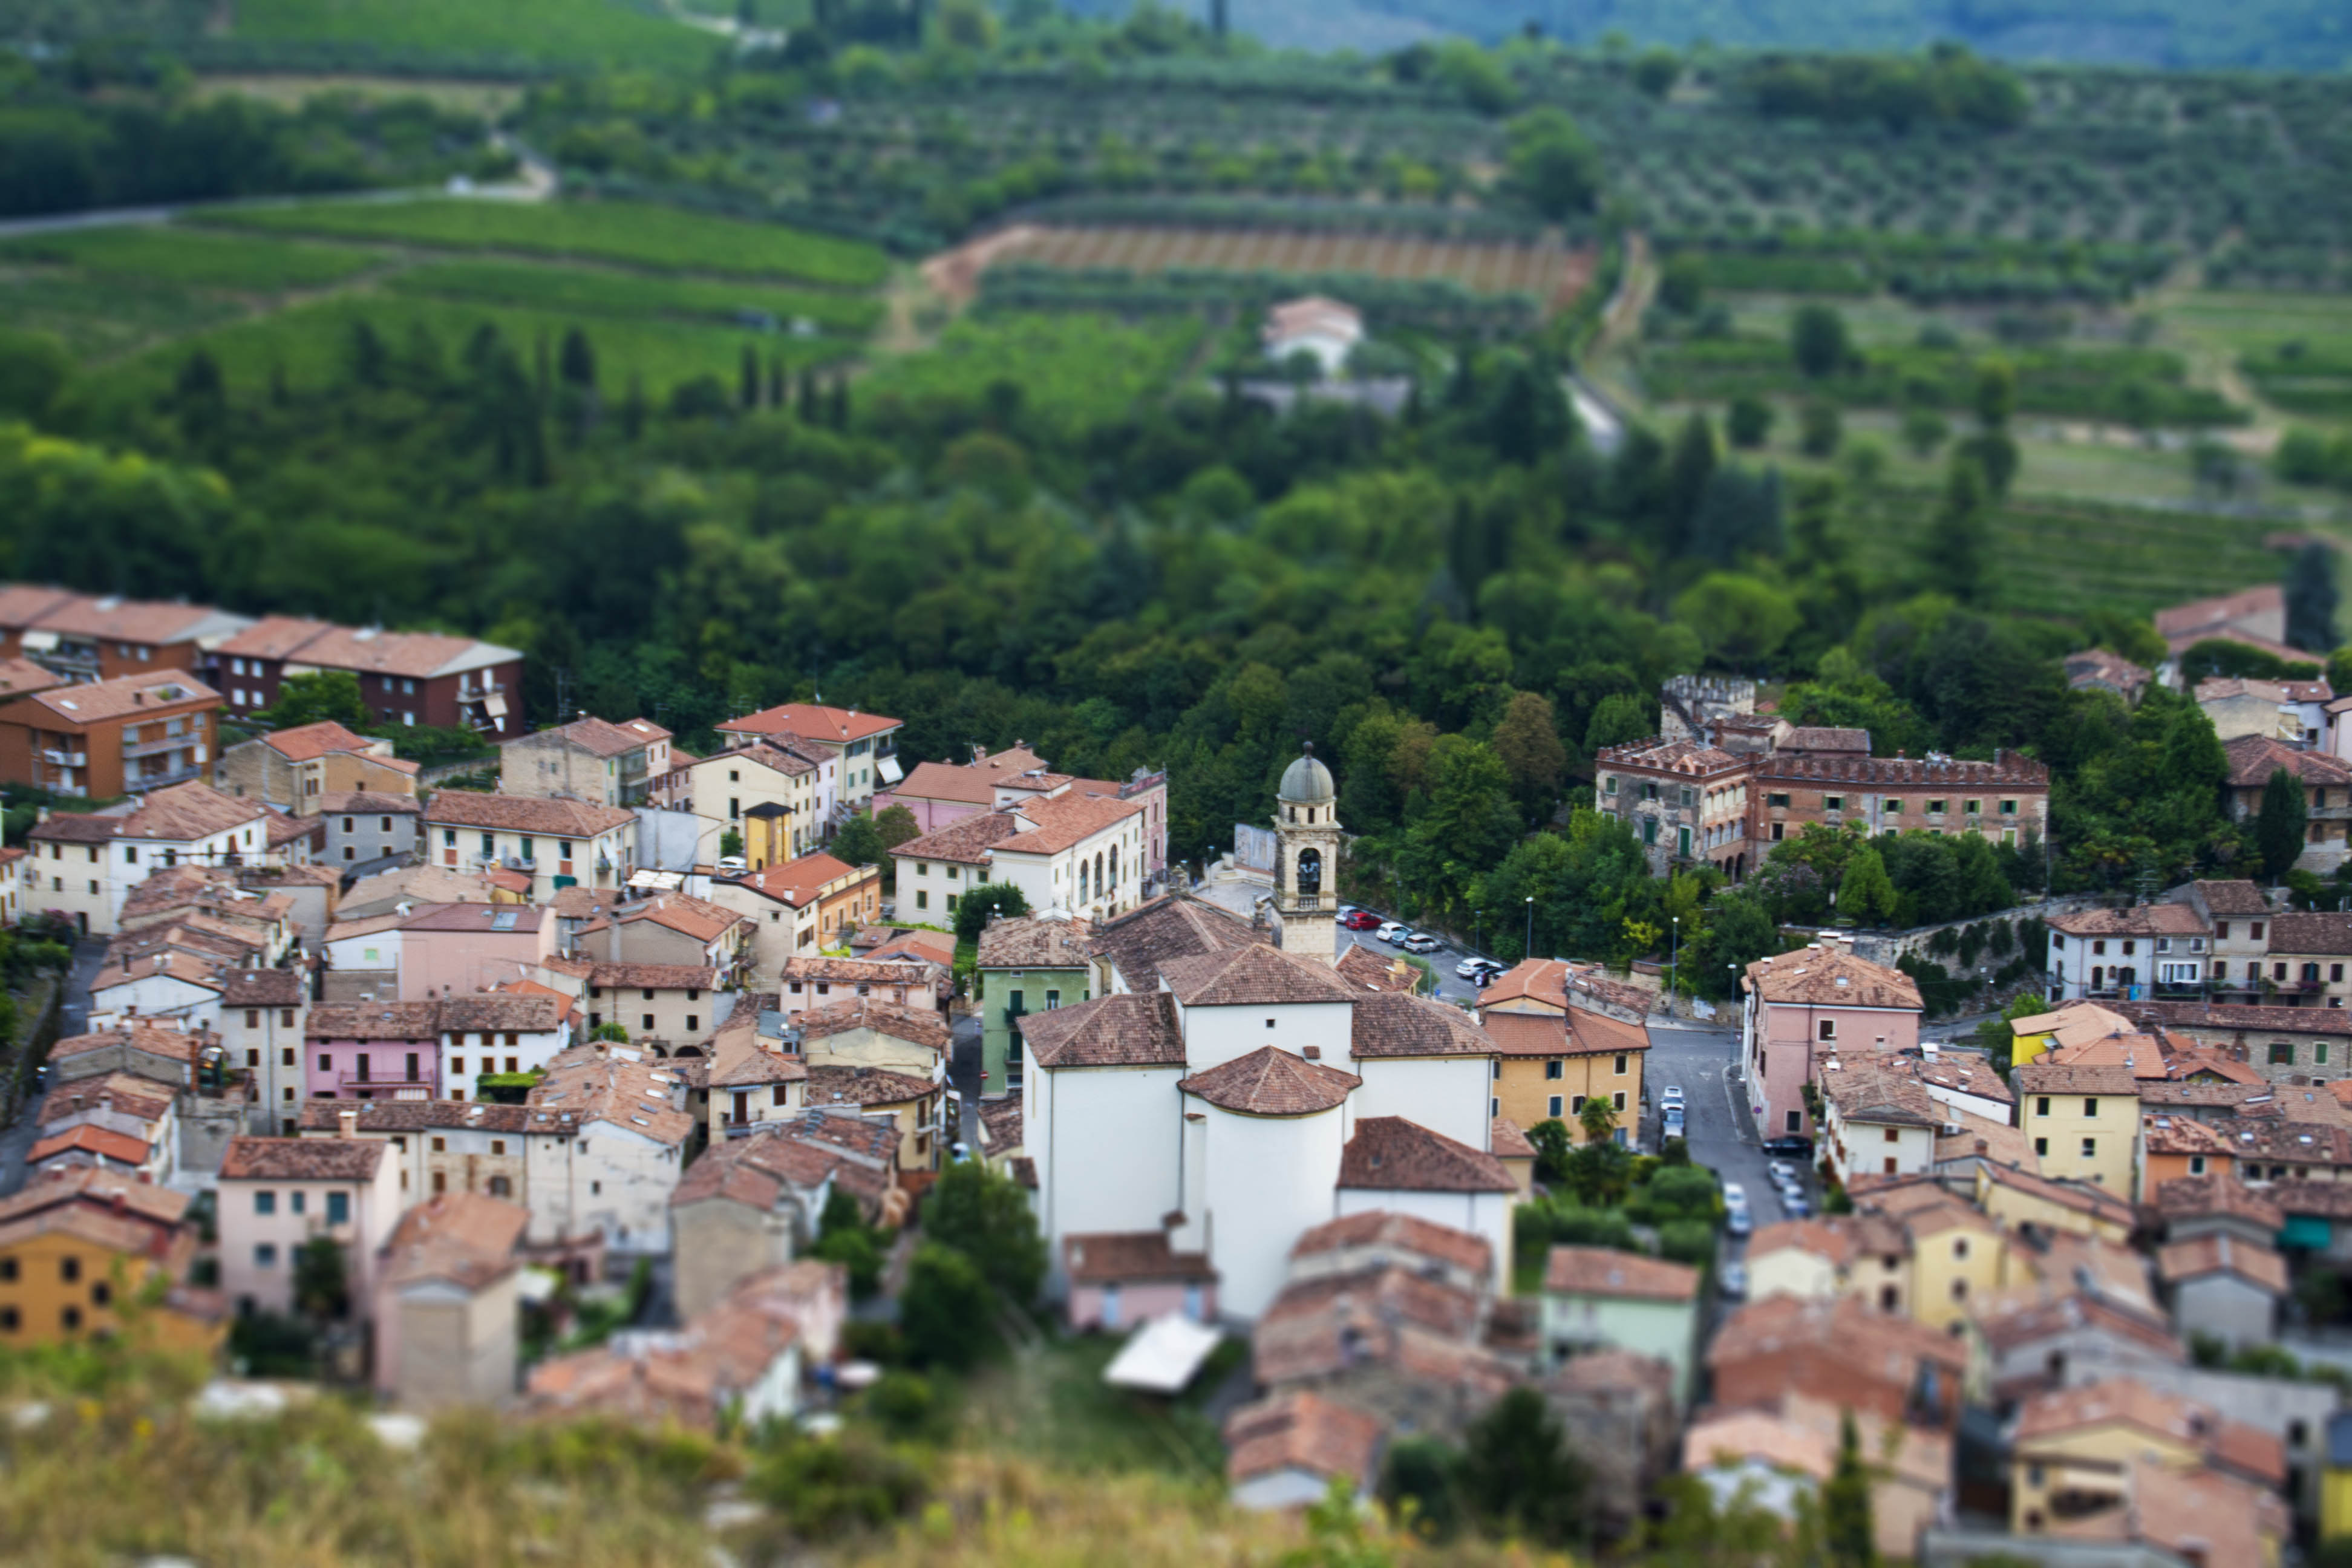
(387,1088)
(67,759)
(167,777)
(166,742)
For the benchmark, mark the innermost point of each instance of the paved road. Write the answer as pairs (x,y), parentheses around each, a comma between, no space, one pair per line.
(1720,1132)
(17,1137)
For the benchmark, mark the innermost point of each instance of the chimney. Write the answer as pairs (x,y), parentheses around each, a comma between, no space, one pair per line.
(347,1123)
(121,1203)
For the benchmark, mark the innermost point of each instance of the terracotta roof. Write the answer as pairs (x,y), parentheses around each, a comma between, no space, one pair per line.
(1178,926)
(2060,1078)
(582,1087)
(2253,758)
(1402,1237)
(965,843)
(1128,1029)
(1763,1435)
(1272,1082)
(413,1115)
(859,972)
(2235,897)
(90,1138)
(1825,738)
(1063,822)
(915,1026)
(2327,931)
(797,882)
(23,605)
(273,638)
(811,720)
(1879,1093)
(2203,615)
(125,1093)
(176,1045)
(2193,1197)
(477,920)
(465,1238)
(1873,1345)
(2101,667)
(1389,1153)
(302,1159)
(1389,1023)
(942,781)
(1113,1258)
(2173,1092)
(523,814)
(2008,770)
(758,1169)
(2001,1143)
(2180,1135)
(87,1185)
(113,619)
(1507,1142)
(1303,1431)
(1251,976)
(1963,1074)
(2291,1143)
(2326,1200)
(1818,976)
(1529,1034)
(1818,1236)
(368,802)
(374,1021)
(419,655)
(1693,758)
(1599,1271)
(307,742)
(2141,920)
(2251,1020)
(656,977)
(2140,1055)
(1001,1125)
(593,735)
(1362,966)
(2080,1197)
(538,1011)
(1539,979)
(2127,1402)
(865,1086)
(917,947)
(1331,1322)
(1028,942)
(417,885)
(181,814)
(684,914)
(166,693)
(2200,1255)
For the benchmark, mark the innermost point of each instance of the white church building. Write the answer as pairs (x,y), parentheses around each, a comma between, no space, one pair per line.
(1228,1090)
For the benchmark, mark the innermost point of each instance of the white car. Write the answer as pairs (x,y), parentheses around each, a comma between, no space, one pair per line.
(1671,1095)
(1475,969)
(1735,1197)
(1782,1172)
(1392,931)
(1422,942)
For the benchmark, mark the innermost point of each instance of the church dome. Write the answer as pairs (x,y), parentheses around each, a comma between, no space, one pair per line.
(1307,782)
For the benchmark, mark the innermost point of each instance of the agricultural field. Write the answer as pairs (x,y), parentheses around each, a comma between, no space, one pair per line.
(629,234)
(1073,367)
(538,33)
(1553,273)
(193,259)
(606,293)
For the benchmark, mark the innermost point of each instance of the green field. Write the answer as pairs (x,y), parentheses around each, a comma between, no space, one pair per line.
(311,343)
(554,32)
(96,318)
(195,259)
(1071,367)
(626,294)
(632,234)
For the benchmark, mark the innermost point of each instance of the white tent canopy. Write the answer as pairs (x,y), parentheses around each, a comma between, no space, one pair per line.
(1162,1356)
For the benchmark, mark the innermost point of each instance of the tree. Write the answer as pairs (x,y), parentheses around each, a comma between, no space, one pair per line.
(576,360)
(1553,1145)
(1529,745)
(1742,621)
(1420,1481)
(1598,1116)
(859,843)
(897,826)
(616,1033)
(972,910)
(2279,827)
(1996,393)
(1817,336)
(1749,421)
(984,1214)
(1865,893)
(730,845)
(2311,598)
(329,695)
(1620,719)
(946,1312)
(843,1237)
(1551,165)
(322,1280)
(1689,465)
(1957,553)
(1853,1539)
(1820,428)
(1517,1474)
(1656,72)
(1682,283)
(1924,430)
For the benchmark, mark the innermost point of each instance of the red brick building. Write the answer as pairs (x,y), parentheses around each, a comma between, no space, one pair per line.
(109,737)
(406,677)
(82,638)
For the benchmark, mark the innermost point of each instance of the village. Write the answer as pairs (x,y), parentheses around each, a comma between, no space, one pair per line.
(609,1089)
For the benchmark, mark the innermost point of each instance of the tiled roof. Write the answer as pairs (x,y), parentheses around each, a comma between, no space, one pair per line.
(2008,770)
(1064,822)
(1823,738)
(1130,1258)
(915,1026)
(1540,979)
(582,1087)
(1600,1271)
(1507,1142)
(942,781)
(699,918)
(2244,1019)
(1821,977)
(2204,615)
(23,605)
(163,693)
(273,638)
(2236,897)
(417,655)
(368,802)
(1001,1125)
(536,1012)
(859,972)
(465,1238)
(2140,1055)
(1389,1153)
(1029,941)
(812,721)
(413,1115)
(1178,926)
(126,1093)
(1818,1236)
(302,1159)
(90,1139)
(738,1060)
(146,1201)
(656,977)
(1598,1033)
(1388,1023)
(176,1045)
(113,619)
(1250,976)
(2321,932)
(593,735)
(477,920)
(1272,1082)
(307,742)
(2200,1255)
(1874,1344)
(374,1021)
(966,842)
(1303,1431)
(2141,920)
(523,814)
(1407,1235)
(1964,1073)
(917,947)
(1129,1028)
(1331,1322)
(2254,758)
(797,882)
(2180,1135)
(2127,1402)
(865,1086)
(2079,1196)
(2101,667)
(1877,1093)
(1360,965)
(181,814)
(1693,758)
(2196,1197)
(2059,1077)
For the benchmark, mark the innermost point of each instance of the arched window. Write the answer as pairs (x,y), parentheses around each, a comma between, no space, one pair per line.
(1114,865)
(1082,881)
(1099,883)
(1310,872)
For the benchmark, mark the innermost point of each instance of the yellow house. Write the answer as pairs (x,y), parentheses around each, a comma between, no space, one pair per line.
(1958,1255)
(2078,1450)
(2335,1479)
(1865,1256)
(2016,1197)
(85,1252)
(1545,1068)
(2082,1122)
(2073,1025)
(768,792)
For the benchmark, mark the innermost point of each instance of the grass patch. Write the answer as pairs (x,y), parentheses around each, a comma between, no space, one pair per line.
(1072,368)
(631,233)
(627,294)
(97,319)
(195,259)
(566,32)
(312,342)
(1051,1406)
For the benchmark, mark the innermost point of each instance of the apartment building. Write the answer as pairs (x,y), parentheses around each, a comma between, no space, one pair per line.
(1687,800)
(1799,1008)
(2327,783)
(297,769)
(278,1195)
(86,637)
(588,758)
(556,842)
(2005,801)
(86,863)
(405,678)
(862,746)
(2130,954)
(111,738)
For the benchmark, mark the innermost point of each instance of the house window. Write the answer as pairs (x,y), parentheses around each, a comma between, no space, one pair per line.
(1796,1121)
(2041,1105)
(1555,1106)
(2090,1148)
(1778,802)
(1829,1029)
(339,1208)
(2042,1146)
(2090,1107)
(1554,1069)
(1892,1136)
(265,1203)
(1618,1100)
(648,1021)
(922,900)
(2282,1053)
(1620,1068)
(265,1255)
(1833,803)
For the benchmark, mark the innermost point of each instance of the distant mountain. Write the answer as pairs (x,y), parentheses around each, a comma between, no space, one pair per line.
(2271,35)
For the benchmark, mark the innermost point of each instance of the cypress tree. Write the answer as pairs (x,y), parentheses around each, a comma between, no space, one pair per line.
(840,409)
(747,395)
(809,411)
(2279,825)
(1845,1504)
(578,364)
(633,408)
(776,381)
(1959,540)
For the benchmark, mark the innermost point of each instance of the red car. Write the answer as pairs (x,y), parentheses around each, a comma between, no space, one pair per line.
(1361,920)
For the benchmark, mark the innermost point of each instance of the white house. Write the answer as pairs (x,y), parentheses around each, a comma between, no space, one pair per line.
(368,947)
(557,843)
(279,1194)
(86,863)
(1212,1096)
(1325,328)
(503,1031)
(1079,853)
(1877,1117)
(2130,954)
(860,750)
(169,983)
(605,1146)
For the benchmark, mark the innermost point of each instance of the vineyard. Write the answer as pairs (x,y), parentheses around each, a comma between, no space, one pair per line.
(1553,274)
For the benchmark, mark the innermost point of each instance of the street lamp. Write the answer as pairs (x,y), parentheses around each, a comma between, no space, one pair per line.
(1673,958)
(1531,927)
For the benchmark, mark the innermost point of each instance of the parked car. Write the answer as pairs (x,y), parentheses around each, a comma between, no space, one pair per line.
(1792,1147)
(1421,942)
(1795,1204)
(1735,1198)
(1733,1281)
(1361,920)
(1782,1172)
(1737,1223)
(1670,1123)
(1670,1095)
(733,865)
(1392,931)
(1477,969)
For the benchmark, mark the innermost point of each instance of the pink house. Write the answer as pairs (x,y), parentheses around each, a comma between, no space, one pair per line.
(454,950)
(276,1195)
(373,1050)
(1120,1280)
(1800,1007)
(939,794)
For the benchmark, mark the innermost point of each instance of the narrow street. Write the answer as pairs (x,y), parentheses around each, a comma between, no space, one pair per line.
(17,1140)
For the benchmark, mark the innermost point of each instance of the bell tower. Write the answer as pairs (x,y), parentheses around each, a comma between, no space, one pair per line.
(1306,866)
